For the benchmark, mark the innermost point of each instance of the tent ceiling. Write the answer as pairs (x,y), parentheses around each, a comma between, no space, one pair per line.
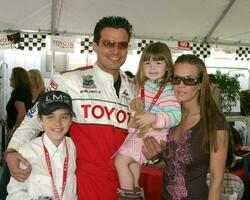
(159,19)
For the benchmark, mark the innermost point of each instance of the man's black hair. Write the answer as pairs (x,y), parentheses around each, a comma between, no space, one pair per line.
(112,22)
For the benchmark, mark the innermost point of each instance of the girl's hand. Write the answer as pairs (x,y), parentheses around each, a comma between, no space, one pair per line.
(145,119)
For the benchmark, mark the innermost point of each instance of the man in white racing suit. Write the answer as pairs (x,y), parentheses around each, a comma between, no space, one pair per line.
(100,96)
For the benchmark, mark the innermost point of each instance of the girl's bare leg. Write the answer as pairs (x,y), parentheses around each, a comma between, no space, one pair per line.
(126,177)
(136,170)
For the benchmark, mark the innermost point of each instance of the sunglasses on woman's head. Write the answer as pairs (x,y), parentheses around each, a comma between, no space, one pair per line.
(112,44)
(187,80)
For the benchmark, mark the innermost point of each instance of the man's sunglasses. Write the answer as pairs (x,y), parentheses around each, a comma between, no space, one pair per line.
(112,44)
(187,80)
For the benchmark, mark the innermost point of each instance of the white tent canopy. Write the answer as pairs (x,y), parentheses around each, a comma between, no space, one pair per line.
(217,21)
(225,22)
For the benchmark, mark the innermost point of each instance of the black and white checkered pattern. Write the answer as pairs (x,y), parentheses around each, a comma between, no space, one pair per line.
(243,54)
(202,50)
(142,44)
(32,42)
(86,45)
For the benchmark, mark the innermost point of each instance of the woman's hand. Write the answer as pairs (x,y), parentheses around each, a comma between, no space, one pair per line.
(152,149)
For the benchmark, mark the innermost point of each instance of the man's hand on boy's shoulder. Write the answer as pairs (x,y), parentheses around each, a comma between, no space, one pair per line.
(13,160)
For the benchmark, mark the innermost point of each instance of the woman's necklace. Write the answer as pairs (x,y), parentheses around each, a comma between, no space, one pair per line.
(188,116)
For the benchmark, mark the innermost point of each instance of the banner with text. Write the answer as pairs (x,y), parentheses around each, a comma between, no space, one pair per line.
(5,43)
(62,44)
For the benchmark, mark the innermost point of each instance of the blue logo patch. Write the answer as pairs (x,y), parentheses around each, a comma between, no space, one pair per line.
(31,111)
(88,82)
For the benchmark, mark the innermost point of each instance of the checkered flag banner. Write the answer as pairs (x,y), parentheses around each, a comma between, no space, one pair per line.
(243,53)
(142,44)
(202,50)
(32,42)
(87,45)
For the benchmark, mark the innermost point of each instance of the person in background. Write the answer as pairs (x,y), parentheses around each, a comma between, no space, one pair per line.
(20,100)
(19,103)
(199,143)
(232,184)
(37,84)
(100,96)
(52,156)
(215,90)
(162,111)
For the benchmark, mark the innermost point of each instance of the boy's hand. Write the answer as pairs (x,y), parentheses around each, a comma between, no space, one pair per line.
(13,160)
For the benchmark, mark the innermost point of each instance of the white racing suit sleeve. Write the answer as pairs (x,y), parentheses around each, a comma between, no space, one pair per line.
(17,190)
(30,127)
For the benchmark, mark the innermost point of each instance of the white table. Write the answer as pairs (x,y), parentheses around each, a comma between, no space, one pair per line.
(238,117)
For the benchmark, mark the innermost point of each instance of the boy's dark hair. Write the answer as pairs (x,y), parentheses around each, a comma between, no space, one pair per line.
(112,22)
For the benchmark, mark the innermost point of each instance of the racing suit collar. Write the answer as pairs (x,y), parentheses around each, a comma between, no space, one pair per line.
(104,75)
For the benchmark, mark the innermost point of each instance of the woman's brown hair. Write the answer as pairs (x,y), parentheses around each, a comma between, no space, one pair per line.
(35,74)
(21,80)
(209,111)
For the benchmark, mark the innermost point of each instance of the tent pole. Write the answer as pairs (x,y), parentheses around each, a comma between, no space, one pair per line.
(55,18)
(52,62)
(216,24)
(53,31)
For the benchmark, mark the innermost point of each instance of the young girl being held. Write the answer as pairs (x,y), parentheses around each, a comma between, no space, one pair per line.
(162,111)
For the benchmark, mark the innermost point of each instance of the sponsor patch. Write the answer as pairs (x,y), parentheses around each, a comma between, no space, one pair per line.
(53,85)
(88,82)
(31,111)
(125,95)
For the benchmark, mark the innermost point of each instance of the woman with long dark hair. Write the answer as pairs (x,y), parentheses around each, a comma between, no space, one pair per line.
(199,143)
(20,100)
(19,103)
